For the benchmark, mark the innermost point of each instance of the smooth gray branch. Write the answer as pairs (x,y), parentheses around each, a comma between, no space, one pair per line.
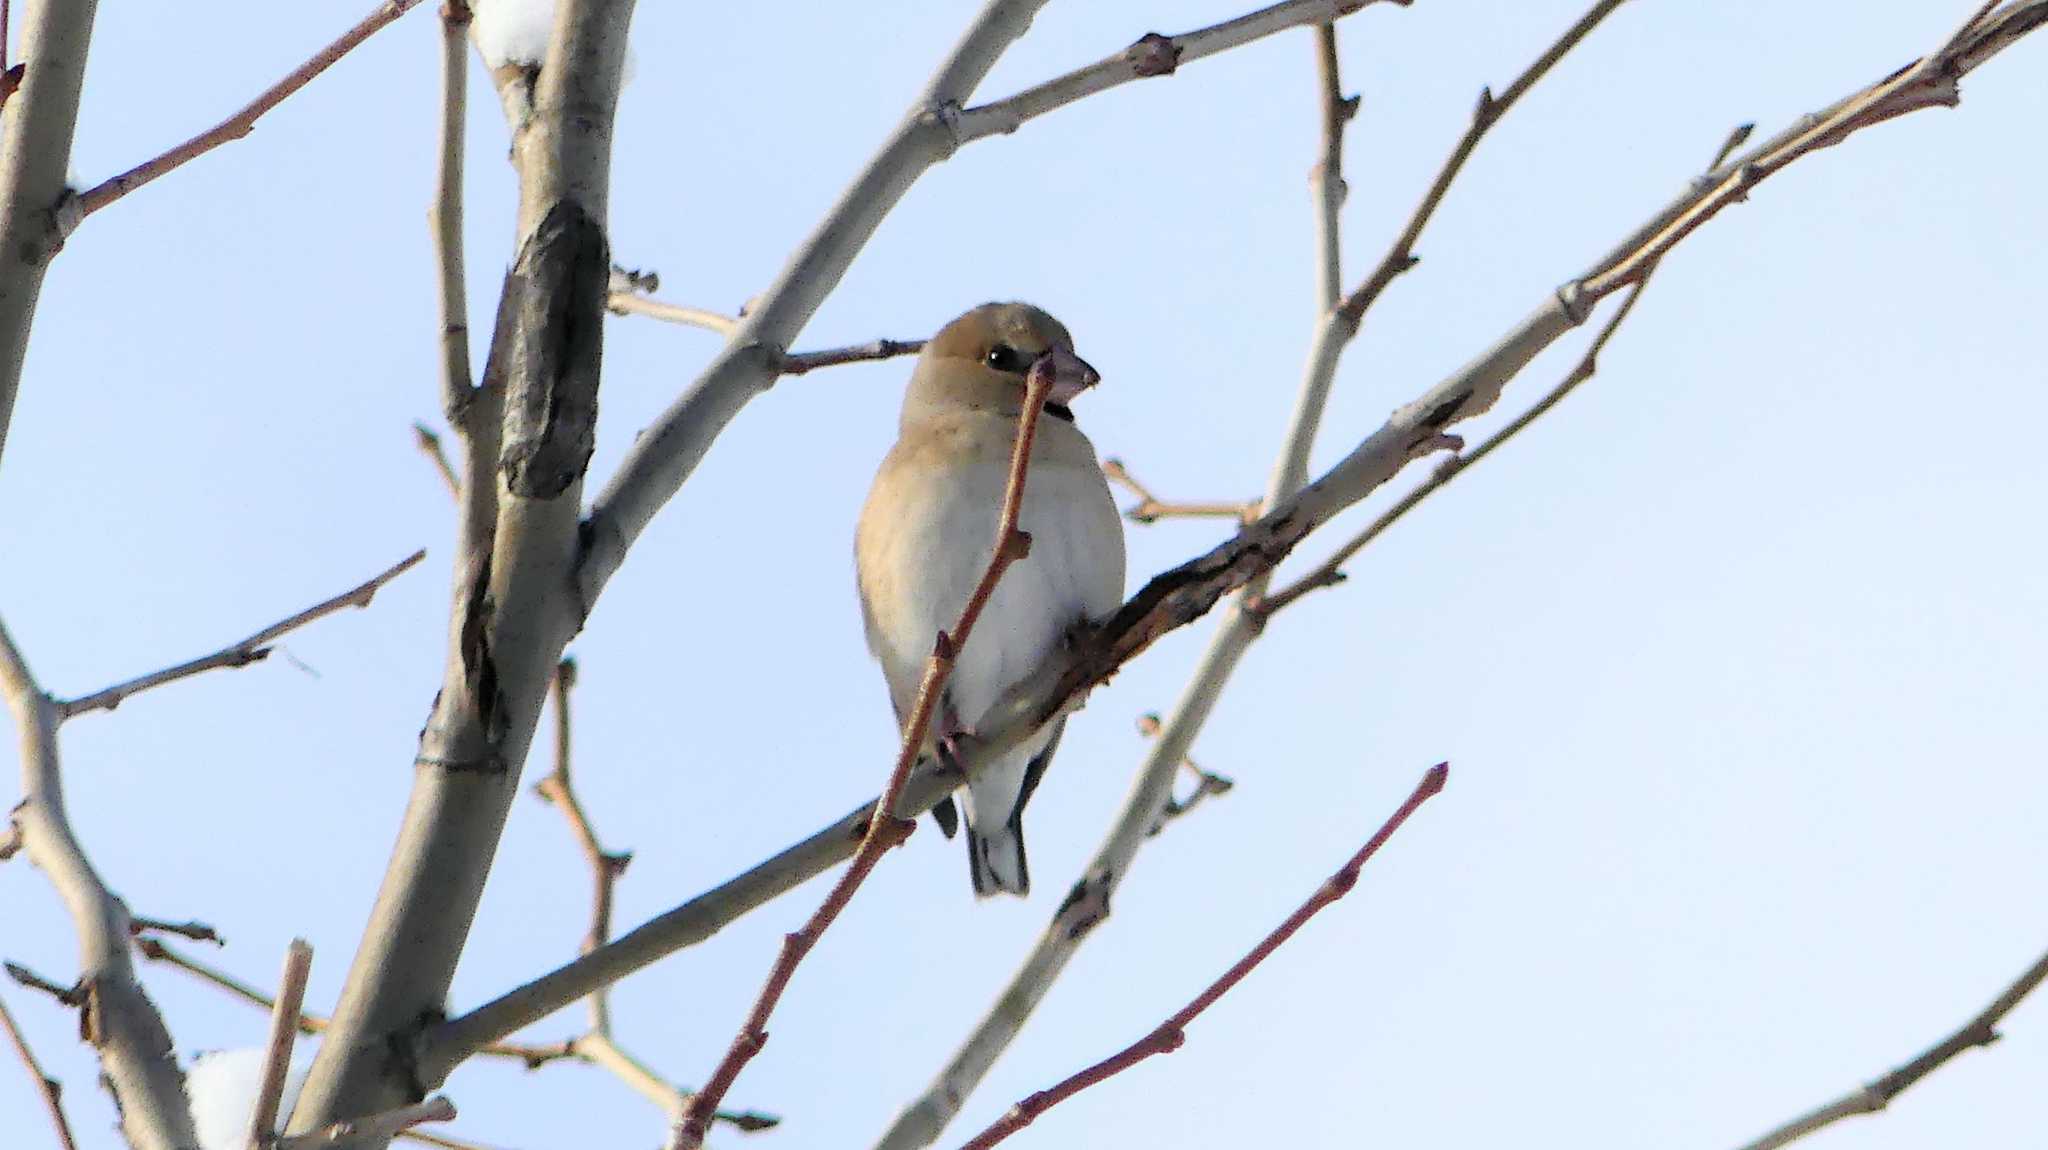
(35,153)
(253,649)
(115,1015)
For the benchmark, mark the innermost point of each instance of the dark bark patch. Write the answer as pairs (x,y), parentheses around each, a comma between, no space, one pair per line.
(555,351)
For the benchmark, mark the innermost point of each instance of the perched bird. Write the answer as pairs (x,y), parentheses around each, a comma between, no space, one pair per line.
(929,529)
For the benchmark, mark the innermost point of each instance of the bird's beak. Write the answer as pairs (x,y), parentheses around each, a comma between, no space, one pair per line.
(1071,376)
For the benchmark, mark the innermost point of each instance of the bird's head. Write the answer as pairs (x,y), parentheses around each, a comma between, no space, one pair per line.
(982,358)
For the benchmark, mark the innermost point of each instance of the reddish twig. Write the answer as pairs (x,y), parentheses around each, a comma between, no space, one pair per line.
(253,649)
(1168,1036)
(51,1090)
(243,122)
(885,829)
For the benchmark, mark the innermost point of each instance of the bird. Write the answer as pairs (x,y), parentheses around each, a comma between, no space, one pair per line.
(928,530)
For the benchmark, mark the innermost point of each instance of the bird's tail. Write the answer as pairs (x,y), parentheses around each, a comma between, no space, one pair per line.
(995,859)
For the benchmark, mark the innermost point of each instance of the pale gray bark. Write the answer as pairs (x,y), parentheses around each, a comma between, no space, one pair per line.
(518,606)
(116,1016)
(34,153)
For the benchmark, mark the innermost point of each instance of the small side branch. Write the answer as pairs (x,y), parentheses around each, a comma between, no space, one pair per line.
(885,829)
(277,1051)
(1149,56)
(1151,509)
(376,1128)
(1168,1036)
(1207,783)
(253,649)
(1875,1096)
(51,1090)
(243,122)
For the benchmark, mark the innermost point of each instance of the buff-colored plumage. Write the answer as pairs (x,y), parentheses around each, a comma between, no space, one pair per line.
(928,529)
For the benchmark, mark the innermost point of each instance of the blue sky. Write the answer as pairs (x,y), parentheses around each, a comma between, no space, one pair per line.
(1736,656)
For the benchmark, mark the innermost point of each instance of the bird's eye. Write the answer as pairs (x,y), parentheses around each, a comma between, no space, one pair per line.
(1003,357)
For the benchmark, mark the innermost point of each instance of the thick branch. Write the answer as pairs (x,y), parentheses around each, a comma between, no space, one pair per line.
(253,649)
(515,606)
(1875,1096)
(35,152)
(884,830)
(243,122)
(116,1016)
(1168,1036)
(277,1050)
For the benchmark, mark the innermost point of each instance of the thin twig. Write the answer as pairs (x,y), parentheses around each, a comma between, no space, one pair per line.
(530,1055)
(1168,1036)
(444,220)
(253,649)
(799,362)
(885,829)
(1170,600)
(376,1128)
(1875,1096)
(243,122)
(1150,55)
(277,1048)
(430,446)
(51,1090)
(1326,179)
(1401,256)
(1207,783)
(427,1138)
(193,929)
(1330,573)
(1151,509)
(621,302)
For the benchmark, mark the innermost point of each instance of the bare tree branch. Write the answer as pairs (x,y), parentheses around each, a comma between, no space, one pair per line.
(530,1055)
(1330,573)
(626,302)
(51,1090)
(1151,55)
(1144,811)
(378,1128)
(885,830)
(600,1046)
(515,605)
(1151,509)
(35,152)
(430,446)
(243,122)
(192,928)
(1168,1036)
(253,649)
(1170,600)
(933,128)
(277,1048)
(799,362)
(444,219)
(1875,1096)
(1207,783)
(116,1015)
